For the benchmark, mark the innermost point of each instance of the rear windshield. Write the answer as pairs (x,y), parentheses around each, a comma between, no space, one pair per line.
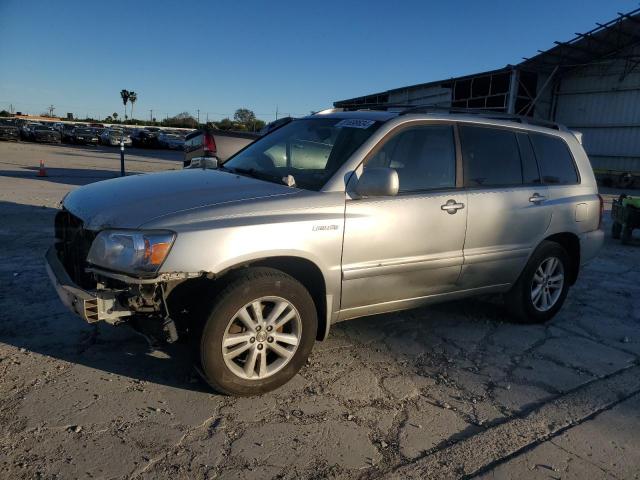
(310,150)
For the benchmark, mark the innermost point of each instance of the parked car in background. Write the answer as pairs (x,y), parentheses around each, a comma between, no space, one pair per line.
(46,134)
(84,136)
(112,136)
(145,138)
(172,141)
(27,130)
(203,146)
(67,132)
(9,130)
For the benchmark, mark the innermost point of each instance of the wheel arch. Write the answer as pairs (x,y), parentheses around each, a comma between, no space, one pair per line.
(571,244)
(302,269)
(310,276)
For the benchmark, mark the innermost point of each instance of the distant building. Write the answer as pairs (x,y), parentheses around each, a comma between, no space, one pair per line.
(590,83)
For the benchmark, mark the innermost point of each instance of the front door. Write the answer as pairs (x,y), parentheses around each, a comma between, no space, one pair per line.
(399,250)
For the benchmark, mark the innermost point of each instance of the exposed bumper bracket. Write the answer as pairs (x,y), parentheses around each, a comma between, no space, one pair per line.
(90,306)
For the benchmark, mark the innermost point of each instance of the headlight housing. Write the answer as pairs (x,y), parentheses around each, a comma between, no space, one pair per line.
(130,251)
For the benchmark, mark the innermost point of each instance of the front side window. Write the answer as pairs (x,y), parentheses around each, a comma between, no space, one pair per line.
(490,157)
(424,157)
(310,150)
(555,160)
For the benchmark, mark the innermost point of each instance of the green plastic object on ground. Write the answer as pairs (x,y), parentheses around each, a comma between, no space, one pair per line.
(633,201)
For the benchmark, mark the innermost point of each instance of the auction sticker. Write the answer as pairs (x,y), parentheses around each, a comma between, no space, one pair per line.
(355,123)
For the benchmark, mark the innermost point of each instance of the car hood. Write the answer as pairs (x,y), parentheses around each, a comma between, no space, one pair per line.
(129,202)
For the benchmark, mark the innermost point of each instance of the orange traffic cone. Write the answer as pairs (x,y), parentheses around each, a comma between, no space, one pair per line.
(43,171)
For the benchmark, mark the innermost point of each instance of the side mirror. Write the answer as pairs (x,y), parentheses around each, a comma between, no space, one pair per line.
(378,182)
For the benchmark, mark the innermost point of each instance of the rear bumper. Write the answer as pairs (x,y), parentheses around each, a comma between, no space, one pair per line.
(90,306)
(590,245)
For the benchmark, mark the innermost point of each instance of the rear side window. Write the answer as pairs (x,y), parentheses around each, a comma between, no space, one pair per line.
(555,160)
(530,173)
(491,157)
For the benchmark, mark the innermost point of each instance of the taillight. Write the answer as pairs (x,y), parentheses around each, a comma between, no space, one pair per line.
(601,210)
(209,145)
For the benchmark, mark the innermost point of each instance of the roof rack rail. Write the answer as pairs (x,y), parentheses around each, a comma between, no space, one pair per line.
(486,114)
(404,109)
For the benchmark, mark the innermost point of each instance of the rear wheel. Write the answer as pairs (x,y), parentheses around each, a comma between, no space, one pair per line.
(258,334)
(542,287)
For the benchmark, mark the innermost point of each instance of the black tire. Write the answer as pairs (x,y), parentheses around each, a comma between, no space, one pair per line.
(242,288)
(616,228)
(626,235)
(518,300)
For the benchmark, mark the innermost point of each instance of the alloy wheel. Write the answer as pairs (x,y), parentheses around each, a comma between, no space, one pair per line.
(261,338)
(547,284)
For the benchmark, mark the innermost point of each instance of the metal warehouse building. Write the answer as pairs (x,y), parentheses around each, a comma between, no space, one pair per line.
(590,83)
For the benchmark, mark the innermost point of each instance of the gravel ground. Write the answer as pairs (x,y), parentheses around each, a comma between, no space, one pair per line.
(448,391)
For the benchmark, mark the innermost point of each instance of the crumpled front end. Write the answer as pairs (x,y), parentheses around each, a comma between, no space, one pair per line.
(96,295)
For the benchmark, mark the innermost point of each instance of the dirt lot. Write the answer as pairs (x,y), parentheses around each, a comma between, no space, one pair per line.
(441,392)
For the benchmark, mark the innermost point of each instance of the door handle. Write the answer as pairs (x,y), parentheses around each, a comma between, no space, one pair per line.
(537,198)
(451,206)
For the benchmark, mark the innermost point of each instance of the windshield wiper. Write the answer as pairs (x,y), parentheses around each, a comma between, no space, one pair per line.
(252,172)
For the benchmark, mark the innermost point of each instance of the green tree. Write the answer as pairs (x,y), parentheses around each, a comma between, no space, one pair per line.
(224,124)
(182,120)
(133,96)
(244,116)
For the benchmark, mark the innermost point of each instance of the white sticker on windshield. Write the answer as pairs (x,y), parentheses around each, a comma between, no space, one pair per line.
(355,123)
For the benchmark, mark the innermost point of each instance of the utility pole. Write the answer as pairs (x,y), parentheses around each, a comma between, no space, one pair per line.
(151,115)
(276,112)
(207,117)
(198,116)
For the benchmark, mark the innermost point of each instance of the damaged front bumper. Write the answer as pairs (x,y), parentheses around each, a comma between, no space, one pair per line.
(91,306)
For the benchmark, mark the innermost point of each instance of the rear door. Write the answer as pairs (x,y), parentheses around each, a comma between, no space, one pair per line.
(508,208)
(399,250)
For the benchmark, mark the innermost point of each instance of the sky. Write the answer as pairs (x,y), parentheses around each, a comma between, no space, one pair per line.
(286,56)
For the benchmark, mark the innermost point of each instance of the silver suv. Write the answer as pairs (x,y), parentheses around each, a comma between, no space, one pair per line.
(335,216)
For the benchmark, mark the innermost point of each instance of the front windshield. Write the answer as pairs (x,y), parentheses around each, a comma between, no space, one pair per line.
(310,150)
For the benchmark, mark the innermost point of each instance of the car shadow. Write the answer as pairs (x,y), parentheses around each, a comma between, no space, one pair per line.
(67,176)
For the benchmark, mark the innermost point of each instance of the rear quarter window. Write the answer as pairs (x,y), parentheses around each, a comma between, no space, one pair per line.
(554,159)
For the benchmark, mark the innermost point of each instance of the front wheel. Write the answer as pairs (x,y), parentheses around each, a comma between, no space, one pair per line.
(258,333)
(542,287)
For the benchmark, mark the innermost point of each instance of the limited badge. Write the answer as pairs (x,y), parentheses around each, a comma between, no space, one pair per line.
(355,123)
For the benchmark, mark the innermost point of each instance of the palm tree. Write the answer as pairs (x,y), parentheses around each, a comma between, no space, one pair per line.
(124,94)
(133,96)
(115,115)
